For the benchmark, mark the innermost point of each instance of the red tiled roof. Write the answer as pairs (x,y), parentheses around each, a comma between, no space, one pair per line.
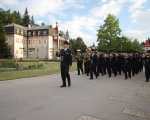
(147,43)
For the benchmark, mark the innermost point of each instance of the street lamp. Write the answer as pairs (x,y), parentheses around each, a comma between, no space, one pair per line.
(121,45)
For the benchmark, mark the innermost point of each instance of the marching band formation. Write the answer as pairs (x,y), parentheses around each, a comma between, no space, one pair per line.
(100,62)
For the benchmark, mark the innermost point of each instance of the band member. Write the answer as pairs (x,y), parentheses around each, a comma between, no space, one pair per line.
(147,66)
(120,58)
(65,64)
(112,64)
(87,61)
(127,66)
(93,64)
(105,66)
(79,58)
(100,60)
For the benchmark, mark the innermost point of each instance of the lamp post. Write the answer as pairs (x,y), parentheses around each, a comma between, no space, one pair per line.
(121,45)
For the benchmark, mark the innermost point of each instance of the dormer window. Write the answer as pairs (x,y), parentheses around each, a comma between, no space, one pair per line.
(17,31)
(25,33)
(34,33)
(21,32)
(44,32)
(39,32)
(29,33)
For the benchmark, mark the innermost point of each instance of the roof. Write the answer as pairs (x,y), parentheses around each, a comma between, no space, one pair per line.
(147,43)
(13,24)
(38,27)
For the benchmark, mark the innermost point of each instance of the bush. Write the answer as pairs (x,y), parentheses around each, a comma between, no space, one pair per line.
(9,64)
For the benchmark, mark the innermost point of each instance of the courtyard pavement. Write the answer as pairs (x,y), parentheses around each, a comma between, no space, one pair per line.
(41,98)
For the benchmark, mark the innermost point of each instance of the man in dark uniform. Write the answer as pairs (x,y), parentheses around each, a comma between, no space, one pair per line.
(119,62)
(100,60)
(147,66)
(93,64)
(66,63)
(127,66)
(112,64)
(79,58)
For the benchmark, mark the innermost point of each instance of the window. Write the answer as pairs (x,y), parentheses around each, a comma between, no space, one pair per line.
(20,40)
(17,31)
(25,33)
(21,32)
(17,40)
(39,32)
(6,39)
(34,33)
(21,52)
(33,42)
(44,32)
(25,42)
(39,41)
(29,42)
(16,51)
(29,33)
(31,51)
(9,39)
(44,41)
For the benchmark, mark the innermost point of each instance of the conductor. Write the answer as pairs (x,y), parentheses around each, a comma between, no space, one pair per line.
(65,64)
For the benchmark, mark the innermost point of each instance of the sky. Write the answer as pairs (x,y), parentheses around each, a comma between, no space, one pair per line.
(82,18)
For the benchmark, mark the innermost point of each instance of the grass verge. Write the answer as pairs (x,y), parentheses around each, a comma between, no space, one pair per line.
(49,68)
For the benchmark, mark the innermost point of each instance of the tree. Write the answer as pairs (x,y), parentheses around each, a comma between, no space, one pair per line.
(136,45)
(67,33)
(5,17)
(4,49)
(77,44)
(32,20)
(26,18)
(50,26)
(109,33)
(16,17)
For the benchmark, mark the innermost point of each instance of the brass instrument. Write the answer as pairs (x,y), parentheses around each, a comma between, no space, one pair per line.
(87,54)
(79,55)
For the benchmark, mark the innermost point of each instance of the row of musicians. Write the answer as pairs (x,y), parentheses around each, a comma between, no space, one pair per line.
(116,63)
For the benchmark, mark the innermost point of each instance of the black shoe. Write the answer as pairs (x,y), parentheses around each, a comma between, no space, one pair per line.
(125,78)
(87,75)
(78,74)
(147,81)
(63,86)
(69,85)
(91,79)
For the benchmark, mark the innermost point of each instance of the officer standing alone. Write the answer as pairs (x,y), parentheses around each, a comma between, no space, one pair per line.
(66,63)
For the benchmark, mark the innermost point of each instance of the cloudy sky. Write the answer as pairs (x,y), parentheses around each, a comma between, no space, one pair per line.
(82,18)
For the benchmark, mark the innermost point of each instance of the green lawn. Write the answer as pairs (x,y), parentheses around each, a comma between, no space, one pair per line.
(49,68)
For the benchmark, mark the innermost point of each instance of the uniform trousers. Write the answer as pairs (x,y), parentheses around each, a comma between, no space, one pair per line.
(65,74)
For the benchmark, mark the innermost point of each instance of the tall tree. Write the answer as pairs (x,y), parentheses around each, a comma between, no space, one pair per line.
(32,20)
(51,26)
(108,33)
(16,17)
(26,18)
(67,33)
(4,50)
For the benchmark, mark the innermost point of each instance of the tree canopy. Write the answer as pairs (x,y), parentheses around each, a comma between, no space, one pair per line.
(109,37)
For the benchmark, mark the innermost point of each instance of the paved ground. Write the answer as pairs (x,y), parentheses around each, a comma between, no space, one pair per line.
(41,98)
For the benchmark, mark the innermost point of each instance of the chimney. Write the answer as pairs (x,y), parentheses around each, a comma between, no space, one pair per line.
(29,26)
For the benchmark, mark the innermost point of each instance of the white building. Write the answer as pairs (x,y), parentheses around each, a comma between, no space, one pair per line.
(33,42)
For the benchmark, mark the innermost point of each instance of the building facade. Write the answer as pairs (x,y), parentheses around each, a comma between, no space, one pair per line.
(33,42)
(147,45)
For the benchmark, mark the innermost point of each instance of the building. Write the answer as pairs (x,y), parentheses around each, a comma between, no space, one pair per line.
(147,45)
(33,42)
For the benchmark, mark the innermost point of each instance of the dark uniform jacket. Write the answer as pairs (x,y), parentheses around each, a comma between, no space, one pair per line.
(66,58)
(146,61)
(93,59)
(127,61)
(100,59)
